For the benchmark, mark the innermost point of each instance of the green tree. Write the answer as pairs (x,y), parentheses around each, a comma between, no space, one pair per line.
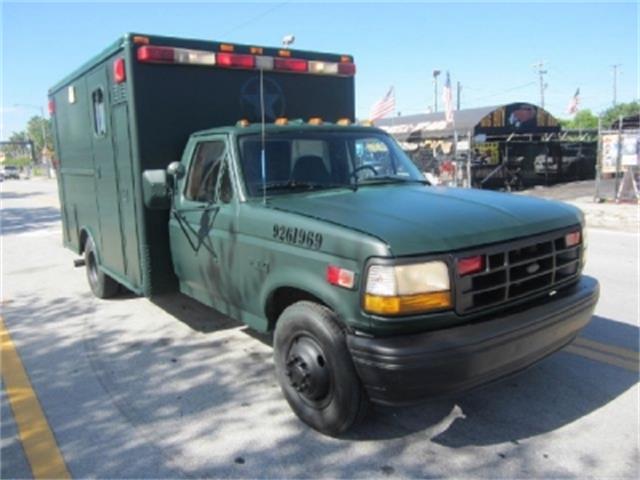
(39,130)
(13,151)
(584,119)
(612,114)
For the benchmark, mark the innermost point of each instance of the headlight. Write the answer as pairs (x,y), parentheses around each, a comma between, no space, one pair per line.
(406,289)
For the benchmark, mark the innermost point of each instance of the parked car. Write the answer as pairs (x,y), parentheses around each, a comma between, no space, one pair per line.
(11,171)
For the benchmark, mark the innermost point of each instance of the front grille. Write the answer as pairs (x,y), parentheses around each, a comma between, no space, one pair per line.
(517,269)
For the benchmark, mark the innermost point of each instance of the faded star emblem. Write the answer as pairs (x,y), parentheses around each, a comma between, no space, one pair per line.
(273,98)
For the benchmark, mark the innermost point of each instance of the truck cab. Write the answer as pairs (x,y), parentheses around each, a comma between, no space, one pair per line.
(299,228)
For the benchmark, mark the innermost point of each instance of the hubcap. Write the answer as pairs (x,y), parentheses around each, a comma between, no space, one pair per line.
(307,369)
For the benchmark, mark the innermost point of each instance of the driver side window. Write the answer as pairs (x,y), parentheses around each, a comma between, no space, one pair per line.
(209,172)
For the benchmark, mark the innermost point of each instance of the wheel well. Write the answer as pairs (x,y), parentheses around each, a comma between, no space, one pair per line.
(283,297)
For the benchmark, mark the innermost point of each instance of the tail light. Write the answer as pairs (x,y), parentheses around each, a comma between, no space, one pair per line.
(52,106)
(119,74)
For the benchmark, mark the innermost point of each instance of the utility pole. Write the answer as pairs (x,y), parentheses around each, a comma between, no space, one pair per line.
(541,73)
(615,82)
(458,91)
(435,90)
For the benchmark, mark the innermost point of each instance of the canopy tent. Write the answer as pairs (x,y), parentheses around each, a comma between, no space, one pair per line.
(500,120)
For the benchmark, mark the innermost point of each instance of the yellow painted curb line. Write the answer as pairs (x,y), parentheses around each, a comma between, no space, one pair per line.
(34,431)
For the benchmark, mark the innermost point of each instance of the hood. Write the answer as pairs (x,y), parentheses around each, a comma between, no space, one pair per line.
(417,219)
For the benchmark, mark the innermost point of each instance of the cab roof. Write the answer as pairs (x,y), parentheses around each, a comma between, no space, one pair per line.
(292,126)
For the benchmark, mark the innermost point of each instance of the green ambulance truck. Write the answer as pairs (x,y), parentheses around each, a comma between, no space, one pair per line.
(236,174)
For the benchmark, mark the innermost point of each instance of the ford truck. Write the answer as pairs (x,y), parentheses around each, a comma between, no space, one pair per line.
(237,175)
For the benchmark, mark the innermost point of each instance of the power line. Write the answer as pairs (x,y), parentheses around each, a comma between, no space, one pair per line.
(253,19)
(501,92)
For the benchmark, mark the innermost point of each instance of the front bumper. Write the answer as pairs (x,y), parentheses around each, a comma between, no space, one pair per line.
(407,369)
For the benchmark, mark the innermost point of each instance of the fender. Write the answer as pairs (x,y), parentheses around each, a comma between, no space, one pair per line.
(340,300)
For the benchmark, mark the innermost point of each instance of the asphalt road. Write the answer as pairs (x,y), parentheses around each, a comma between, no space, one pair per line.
(168,388)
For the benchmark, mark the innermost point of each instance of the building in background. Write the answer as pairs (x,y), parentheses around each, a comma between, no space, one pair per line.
(503,146)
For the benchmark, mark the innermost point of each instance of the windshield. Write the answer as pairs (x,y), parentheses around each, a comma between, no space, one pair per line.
(299,161)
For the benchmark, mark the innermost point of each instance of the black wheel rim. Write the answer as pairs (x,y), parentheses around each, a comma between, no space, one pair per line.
(308,371)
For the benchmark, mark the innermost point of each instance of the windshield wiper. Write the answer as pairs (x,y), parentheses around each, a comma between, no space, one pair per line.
(298,185)
(382,179)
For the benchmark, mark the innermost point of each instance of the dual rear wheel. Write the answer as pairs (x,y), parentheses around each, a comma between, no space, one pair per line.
(101,284)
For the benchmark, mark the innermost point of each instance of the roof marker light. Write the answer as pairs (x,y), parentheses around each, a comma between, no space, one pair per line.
(281,121)
(346,59)
(284,53)
(140,40)
(243,122)
(315,121)
(225,47)
(119,73)
(343,122)
(256,50)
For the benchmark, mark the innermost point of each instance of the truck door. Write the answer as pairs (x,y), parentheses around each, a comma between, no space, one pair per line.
(110,238)
(201,229)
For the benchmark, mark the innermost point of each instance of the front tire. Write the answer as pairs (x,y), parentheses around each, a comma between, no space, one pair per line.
(315,370)
(101,284)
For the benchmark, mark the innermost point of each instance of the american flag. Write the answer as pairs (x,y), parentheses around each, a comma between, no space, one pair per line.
(574,103)
(384,107)
(447,99)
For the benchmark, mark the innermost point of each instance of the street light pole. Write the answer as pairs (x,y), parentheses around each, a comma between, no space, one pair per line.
(435,90)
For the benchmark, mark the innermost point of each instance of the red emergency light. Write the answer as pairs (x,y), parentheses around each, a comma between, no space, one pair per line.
(235,60)
(347,69)
(153,54)
(291,64)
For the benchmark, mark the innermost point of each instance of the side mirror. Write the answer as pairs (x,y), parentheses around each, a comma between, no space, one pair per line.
(176,170)
(155,189)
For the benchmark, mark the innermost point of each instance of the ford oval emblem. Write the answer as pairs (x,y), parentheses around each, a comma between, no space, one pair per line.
(533,268)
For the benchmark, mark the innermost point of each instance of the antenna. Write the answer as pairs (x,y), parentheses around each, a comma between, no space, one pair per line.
(263,157)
